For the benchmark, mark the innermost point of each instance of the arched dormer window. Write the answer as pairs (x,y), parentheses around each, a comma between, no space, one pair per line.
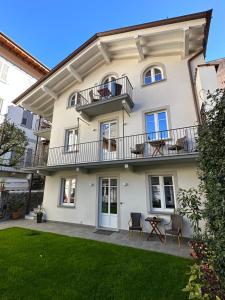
(153,74)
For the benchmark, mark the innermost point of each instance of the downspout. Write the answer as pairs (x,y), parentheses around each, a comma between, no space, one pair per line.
(195,99)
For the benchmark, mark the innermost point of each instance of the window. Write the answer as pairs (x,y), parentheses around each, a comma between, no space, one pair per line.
(71,139)
(153,74)
(109,82)
(73,99)
(27,119)
(161,193)
(157,125)
(1,104)
(3,71)
(68,191)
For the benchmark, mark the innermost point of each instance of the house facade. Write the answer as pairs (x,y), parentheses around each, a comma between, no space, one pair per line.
(18,71)
(124,109)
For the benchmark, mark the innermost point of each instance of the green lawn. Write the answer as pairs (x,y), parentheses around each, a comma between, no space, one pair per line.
(36,265)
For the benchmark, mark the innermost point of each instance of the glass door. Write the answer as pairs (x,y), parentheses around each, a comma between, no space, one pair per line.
(108,133)
(108,196)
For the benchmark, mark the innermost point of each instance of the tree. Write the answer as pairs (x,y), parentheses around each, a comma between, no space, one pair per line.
(211,145)
(13,143)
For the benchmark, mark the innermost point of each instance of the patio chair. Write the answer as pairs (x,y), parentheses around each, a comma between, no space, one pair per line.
(181,144)
(176,226)
(135,223)
(91,95)
(138,150)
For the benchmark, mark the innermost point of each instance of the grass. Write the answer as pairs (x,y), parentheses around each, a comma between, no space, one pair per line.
(36,265)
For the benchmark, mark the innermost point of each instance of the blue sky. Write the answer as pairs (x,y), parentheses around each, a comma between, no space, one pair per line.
(52,29)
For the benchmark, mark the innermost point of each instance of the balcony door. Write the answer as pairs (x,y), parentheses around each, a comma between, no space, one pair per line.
(110,83)
(109,141)
(108,202)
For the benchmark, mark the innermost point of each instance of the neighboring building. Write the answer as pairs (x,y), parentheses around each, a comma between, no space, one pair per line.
(220,68)
(18,71)
(124,110)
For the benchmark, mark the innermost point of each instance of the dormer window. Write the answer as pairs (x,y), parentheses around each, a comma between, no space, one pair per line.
(153,74)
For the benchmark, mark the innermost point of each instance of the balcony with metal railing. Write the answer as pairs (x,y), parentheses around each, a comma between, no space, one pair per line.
(180,143)
(112,96)
(43,128)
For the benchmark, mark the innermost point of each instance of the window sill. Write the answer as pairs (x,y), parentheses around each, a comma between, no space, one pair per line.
(153,83)
(66,206)
(68,152)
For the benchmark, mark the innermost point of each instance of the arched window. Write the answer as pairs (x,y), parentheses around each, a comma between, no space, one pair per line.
(109,83)
(72,100)
(153,74)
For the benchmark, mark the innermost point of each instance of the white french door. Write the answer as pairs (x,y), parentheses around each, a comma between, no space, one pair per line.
(108,202)
(109,141)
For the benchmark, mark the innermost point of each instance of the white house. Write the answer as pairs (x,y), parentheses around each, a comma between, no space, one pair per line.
(124,108)
(18,71)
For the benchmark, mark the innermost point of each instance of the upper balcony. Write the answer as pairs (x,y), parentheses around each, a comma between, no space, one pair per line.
(43,129)
(163,146)
(112,96)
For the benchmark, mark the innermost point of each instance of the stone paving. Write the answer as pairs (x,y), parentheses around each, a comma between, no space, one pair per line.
(119,238)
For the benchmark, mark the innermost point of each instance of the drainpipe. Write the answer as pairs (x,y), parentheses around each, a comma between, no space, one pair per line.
(196,104)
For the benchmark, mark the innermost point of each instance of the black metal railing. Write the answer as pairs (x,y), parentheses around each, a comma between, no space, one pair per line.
(105,91)
(152,145)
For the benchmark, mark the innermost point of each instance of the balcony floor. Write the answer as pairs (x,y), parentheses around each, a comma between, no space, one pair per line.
(100,107)
(134,163)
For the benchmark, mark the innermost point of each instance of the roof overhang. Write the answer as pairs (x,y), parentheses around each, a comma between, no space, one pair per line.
(182,36)
(20,53)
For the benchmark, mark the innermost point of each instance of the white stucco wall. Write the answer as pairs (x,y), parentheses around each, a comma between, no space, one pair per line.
(173,94)
(17,81)
(133,196)
(206,80)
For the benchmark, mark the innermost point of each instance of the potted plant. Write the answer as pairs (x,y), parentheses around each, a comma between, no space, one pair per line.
(39,212)
(190,205)
(15,209)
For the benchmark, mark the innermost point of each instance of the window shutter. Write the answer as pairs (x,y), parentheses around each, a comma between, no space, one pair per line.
(4,72)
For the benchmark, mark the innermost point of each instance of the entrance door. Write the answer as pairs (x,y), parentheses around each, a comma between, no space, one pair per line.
(108,196)
(109,142)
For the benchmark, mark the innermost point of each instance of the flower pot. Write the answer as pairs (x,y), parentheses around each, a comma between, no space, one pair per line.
(39,217)
(16,215)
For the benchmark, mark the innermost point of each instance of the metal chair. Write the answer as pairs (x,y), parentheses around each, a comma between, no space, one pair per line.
(135,223)
(138,150)
(181,144)
(91,95)
(176,227)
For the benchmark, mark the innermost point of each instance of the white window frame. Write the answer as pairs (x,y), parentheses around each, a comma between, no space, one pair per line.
(62,191)
(69,100)
(152,69)
(4,68)
(71,147)
(163,208)
(156,121)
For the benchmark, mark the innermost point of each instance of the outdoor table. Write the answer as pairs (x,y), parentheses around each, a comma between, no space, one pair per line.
(104,92)
(154,222)
(157,145)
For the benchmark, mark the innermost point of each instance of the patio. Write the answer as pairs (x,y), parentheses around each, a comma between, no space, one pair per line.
(119,238)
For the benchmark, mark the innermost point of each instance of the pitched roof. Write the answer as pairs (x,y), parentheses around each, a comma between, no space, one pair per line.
(200,15)
(19,52)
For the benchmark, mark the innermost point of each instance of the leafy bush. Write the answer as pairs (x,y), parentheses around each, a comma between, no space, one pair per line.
(211,145)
